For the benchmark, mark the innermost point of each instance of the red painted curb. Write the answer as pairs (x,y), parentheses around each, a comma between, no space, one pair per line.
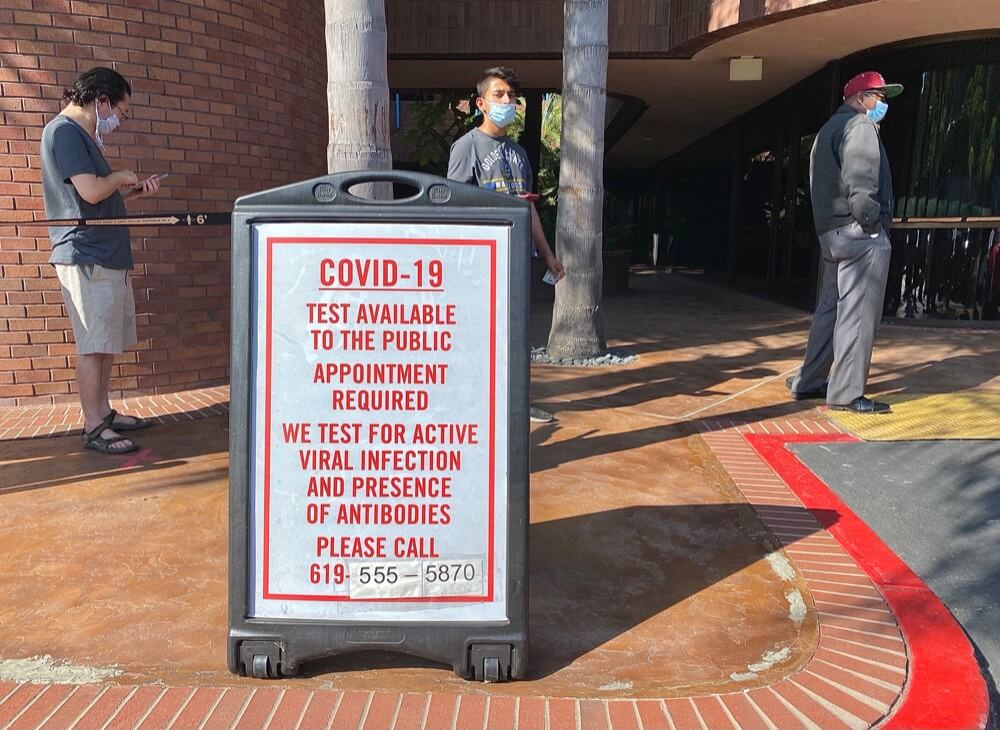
(945,689)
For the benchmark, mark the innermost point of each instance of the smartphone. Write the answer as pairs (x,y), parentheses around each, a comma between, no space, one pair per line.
(549,278)
(158,176)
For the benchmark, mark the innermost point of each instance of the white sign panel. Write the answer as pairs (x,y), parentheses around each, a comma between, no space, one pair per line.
(379,444)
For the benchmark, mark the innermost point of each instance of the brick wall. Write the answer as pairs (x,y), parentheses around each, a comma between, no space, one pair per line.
(228,97)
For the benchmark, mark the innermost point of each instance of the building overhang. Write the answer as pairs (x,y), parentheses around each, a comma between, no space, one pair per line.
(688,98)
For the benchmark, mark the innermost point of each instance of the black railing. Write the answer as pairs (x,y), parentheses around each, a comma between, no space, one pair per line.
(945,269)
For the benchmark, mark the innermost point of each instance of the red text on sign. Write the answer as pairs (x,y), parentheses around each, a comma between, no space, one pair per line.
(350,547)
(358,272)
(328,312)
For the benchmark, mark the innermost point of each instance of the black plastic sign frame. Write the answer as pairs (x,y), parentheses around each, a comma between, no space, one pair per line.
(378,426)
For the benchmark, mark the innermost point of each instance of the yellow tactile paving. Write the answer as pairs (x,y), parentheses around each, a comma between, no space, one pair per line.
(964,415)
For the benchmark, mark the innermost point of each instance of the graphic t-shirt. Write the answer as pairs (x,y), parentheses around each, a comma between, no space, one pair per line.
(493,163)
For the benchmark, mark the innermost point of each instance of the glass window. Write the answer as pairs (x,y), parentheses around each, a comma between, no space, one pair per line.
(755,215)
(956,138)
(804,245)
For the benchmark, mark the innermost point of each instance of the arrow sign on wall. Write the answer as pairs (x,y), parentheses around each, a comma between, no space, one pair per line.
(166,219)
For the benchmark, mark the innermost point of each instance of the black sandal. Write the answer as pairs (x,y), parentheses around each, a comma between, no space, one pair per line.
(135,426)
(94,440)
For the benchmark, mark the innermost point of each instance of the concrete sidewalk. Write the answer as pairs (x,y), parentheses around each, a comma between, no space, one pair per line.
(673,575)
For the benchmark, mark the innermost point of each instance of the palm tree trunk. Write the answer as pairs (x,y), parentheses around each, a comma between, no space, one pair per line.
(357,90)
(578,316)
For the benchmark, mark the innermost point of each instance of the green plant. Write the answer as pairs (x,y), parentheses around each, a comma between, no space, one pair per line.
(619,236)
(548,167)
(435,125)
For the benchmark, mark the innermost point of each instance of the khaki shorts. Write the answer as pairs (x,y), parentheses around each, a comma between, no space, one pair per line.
(100,305)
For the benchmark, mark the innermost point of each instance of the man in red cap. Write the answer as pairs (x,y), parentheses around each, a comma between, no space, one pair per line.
(852,207)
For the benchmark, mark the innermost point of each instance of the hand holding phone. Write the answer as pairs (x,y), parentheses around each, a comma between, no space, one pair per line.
(158,176)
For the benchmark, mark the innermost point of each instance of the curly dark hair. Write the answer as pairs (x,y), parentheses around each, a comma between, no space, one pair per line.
(98,83)
(498,72)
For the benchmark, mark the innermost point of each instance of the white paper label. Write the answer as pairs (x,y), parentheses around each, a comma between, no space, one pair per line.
(415,579)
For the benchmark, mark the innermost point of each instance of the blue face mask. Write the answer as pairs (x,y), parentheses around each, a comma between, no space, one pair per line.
(502,114)
(878,113)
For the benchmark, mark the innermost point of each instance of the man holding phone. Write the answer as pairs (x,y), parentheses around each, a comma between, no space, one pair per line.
(487,157)
(92,263)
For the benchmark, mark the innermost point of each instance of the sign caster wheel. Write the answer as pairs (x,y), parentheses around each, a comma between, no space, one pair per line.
(491,669)
(260,666)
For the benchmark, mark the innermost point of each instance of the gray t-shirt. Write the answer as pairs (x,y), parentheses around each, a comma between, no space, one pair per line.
(492,163)
(68,150)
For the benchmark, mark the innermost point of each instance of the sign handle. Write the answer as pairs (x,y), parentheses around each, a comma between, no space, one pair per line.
(384,176)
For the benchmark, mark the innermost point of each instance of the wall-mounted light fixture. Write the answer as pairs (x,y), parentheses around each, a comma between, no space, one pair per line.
(746,68)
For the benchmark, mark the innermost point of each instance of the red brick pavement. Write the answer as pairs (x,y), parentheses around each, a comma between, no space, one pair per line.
(18,422)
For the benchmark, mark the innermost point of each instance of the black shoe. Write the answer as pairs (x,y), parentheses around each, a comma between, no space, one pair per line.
(863,405)
(537,415)
(806,394)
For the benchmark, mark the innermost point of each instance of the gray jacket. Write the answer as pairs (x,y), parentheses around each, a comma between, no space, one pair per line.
(849,174)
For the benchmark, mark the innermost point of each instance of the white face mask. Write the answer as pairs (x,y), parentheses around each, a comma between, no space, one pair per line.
(502,114)
(104,126)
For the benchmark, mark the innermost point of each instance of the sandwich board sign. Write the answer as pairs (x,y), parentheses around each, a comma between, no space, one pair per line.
(378,426)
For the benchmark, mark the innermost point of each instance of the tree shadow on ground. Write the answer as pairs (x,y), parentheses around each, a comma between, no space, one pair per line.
(42,463)
(596,577)
(630,388)
(947,375)
(549,454)
(665,313)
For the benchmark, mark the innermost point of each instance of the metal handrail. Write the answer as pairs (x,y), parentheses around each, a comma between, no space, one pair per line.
(914,223)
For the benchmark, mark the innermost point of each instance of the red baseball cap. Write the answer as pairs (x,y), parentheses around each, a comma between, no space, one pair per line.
(871,81)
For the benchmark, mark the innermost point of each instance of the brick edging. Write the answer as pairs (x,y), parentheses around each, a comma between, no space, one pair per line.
(945,688)
(859,669)
(25,422)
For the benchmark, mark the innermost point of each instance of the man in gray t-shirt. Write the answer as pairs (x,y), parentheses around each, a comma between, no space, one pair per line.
(92,262)
(69,150)
(493,163)
(487,157)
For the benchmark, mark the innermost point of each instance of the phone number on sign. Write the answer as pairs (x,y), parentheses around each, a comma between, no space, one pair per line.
(415,578)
